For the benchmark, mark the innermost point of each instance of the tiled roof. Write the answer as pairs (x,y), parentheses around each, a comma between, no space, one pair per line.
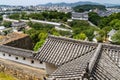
(75,59)
(58,50)
(74,69)
(17,24)
(12,37)
(78,60)
(16,51)
(106,69)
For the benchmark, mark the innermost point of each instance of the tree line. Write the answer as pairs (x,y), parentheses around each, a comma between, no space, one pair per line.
(46,15)
(39,32)
(87,7)
(106,24)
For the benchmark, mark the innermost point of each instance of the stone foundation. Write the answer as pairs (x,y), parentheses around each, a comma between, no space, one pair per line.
(20,73)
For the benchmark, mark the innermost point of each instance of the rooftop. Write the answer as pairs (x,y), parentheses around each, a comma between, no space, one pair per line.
(16,51)
(78,59)
(75,59)
(58,50)
(12,37)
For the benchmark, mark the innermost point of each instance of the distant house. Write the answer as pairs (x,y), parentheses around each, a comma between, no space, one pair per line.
(18,25)
(80,16)
(2,28)
(110,34)
(96,35)
(103,13)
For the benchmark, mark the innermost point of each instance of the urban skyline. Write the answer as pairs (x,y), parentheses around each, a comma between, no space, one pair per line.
(36,2)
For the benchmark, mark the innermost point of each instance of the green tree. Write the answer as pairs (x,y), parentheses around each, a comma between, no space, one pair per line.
(15,16)
(87,7)
(115,24)
(116,37)
(80,36)
(65,33)
(33,34)
(7,24)
(42,36)
(94,18)
(38,45)
(89,33)
(1,18)
(24,15)
(64,19)
(101,37)
(53,31)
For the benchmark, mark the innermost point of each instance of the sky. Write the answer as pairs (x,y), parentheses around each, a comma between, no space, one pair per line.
(36,2)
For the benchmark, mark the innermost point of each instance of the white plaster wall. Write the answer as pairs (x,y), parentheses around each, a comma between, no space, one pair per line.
(27,61)
(79,18)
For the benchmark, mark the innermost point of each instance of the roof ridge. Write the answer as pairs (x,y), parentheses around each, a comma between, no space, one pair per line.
(94,58)
(111,46)
(71,39)
(10,47)
(104,62)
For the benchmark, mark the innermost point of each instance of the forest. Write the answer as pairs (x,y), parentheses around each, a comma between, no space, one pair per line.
(53,16)
(87,7)
(107,23)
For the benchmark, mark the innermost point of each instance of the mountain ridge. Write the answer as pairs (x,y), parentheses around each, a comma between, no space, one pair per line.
(77,3)
(69,4)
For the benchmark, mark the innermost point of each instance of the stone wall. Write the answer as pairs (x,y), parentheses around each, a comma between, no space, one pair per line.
(24,43)
(20,73)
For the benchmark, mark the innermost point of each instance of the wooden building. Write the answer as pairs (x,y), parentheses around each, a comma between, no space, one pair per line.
(80,16)
(69,59)
(18,25)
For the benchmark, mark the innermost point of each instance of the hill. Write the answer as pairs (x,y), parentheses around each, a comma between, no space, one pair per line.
(69,4)
(4,5)
(114,6)
(82,8)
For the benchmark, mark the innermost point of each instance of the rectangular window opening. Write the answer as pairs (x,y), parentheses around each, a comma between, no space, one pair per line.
(32,62)
(16,58)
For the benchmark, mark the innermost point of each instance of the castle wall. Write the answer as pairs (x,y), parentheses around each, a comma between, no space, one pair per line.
(24,43)
(23,60)
(20,71)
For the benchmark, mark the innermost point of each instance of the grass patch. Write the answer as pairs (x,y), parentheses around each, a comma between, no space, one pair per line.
(4,76)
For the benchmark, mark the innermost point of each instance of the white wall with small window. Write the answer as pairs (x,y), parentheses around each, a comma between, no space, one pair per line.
(23,60)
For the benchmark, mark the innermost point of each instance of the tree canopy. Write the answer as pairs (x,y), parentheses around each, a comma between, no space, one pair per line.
(46,15)
(87,7)
(113,20)
(116,37)
(39,32)
(7,24)
(1,18)
(82,27)
(80,36)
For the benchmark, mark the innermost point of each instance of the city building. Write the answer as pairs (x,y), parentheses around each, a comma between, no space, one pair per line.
(110,34)
(80,16)
(2,28)
(19,25)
